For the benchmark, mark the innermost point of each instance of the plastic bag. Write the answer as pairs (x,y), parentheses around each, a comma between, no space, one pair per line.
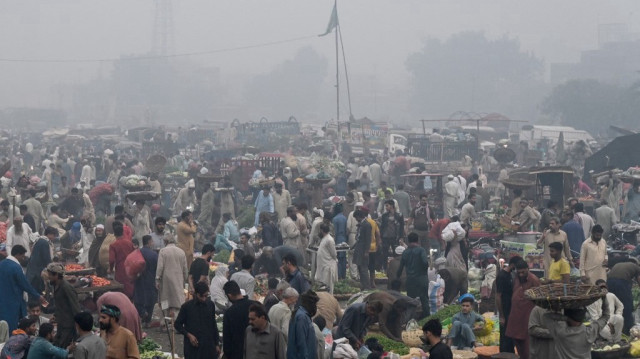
(635,349)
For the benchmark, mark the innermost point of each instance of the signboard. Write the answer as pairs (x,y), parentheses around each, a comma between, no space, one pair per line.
(374,133)
(532,254)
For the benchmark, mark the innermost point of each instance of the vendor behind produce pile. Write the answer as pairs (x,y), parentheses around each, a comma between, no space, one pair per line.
(572,338)
(613,331)
(464,323)
(395,306)
(66,305)
(355,321)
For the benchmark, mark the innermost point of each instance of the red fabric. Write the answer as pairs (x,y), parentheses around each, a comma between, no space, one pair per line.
(3,232)
(521,307)
(118,252)
(134,264)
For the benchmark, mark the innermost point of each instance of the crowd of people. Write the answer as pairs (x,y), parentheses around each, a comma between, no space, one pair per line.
(304,241)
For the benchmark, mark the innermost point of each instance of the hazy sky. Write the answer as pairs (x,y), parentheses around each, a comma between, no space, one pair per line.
(378,35)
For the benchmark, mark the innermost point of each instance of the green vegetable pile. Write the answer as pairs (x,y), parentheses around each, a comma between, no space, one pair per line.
(155,354)
(147,345)
(246,217)
(442,314)
(222,256)
(390,345)
(344,286)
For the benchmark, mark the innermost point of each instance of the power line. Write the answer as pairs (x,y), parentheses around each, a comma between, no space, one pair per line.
(156,57)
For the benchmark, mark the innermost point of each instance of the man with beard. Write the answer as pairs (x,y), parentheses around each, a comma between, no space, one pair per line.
(593,257)
(94,250)
(235,321)
(197,323)
(66,305)
(521,307)
(280,314)
(302,337)
(12,286)
(554,234)
(19,234)
(121,343)
(160,233)
(281,200)
(40,258)
(293,275)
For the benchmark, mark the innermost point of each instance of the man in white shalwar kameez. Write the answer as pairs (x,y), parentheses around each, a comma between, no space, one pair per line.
(453,234)
(327,259)
(171,274)
(450,196)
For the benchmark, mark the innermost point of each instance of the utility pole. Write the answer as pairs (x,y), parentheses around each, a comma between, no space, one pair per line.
(163,28)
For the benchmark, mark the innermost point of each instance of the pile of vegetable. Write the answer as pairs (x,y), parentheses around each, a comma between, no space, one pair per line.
(133,181)
(147,345)
(155,354)
(443,314)
(343,286)
(73,267)
(99,281)
(222,256)
(390,345)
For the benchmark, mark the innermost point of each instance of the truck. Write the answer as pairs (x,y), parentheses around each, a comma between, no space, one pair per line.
(533,134)
(420,145)
(376,136)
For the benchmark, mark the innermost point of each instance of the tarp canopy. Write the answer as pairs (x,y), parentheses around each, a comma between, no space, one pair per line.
(623,152)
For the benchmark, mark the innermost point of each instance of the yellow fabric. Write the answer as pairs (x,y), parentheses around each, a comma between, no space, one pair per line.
(374,229)
(559,268)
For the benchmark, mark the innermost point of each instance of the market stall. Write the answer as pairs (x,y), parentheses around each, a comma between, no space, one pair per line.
(553,183)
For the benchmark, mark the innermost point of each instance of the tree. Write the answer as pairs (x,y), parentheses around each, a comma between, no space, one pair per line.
(589,104)
(292,88)
(470,72)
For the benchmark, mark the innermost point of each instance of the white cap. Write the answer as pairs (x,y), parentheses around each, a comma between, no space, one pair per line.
(191,183)
(450,176)
(400,250)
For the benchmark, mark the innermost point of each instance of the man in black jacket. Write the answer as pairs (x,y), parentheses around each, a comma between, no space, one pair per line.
(391,230)
(197,322)
(235,321)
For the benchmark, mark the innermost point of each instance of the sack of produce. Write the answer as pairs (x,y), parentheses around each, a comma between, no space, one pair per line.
(134,264)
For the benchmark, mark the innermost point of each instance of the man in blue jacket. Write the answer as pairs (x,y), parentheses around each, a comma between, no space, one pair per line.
(12,286)
(302,336)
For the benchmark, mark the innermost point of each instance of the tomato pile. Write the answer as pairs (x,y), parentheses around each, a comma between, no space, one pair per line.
(98,281)
(73,267)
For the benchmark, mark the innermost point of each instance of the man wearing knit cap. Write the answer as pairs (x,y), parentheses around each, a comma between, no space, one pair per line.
(67,305)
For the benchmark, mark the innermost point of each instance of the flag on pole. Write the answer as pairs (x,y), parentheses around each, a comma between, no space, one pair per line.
(333,21)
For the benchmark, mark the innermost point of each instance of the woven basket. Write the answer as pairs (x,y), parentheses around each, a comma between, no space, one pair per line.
(412,338)
(560,296)
(156,163)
